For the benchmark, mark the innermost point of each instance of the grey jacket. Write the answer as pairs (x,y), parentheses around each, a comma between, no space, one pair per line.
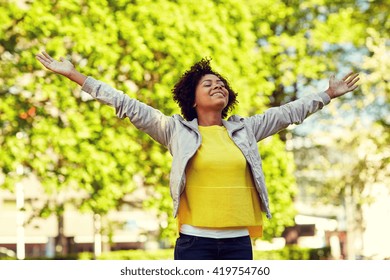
(182,138)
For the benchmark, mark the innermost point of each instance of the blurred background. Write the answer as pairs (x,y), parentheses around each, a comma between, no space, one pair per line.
(77,183)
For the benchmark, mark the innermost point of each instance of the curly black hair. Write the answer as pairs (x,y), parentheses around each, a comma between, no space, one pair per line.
(184,89)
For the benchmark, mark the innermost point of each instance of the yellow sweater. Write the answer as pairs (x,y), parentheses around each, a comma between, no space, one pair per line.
(220,192)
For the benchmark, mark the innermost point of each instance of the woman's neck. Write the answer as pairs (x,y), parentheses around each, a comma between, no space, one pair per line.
(209,119)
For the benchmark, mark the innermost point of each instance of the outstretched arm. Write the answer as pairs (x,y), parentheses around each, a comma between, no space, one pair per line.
(144,117)
(63,67)
(340,87)
(278,118)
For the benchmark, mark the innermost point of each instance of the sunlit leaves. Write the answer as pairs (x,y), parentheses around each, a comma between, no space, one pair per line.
(278,169)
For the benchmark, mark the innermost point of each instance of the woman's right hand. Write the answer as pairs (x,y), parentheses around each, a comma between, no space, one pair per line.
(63,67)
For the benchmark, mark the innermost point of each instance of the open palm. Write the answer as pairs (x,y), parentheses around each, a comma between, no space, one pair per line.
(340,87)
(63,67)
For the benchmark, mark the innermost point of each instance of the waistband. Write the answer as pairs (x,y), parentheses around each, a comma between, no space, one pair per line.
(216,233)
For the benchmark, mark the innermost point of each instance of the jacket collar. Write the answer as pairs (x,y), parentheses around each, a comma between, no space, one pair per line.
(231,126)
(191,124)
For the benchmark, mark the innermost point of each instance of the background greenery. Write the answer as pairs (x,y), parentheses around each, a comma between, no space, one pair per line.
(272,52)
(287,253)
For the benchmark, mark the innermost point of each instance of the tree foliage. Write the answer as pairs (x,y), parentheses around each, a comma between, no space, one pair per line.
(349,156)
(354,136)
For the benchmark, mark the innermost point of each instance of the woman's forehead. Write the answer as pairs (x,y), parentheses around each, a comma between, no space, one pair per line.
(210,77)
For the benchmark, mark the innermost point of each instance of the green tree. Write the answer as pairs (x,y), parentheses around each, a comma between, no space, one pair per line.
(298,44)
(351,150)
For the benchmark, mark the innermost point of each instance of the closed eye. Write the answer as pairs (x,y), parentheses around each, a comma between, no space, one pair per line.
(209,83)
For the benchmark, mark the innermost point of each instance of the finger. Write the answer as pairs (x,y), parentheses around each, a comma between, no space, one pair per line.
(39,56)
(353,88)
(47,56)
(352,80)
(42,59)
(351,83)
(353,76)
(346,76)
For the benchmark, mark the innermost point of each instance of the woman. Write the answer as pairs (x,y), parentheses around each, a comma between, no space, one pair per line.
(216,181)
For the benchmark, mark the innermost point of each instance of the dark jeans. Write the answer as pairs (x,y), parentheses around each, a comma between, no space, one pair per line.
(190,247)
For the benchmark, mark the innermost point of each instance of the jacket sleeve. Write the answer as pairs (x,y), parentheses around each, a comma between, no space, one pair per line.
(277,118)
(144,117)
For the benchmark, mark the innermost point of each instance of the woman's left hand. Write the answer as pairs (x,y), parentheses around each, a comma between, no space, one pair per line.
(340,87)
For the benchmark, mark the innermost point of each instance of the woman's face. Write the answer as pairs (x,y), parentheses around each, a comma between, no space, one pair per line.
(211,94)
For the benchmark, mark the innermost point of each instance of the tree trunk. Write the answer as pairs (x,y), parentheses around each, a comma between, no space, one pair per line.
(97,236)
(61,245)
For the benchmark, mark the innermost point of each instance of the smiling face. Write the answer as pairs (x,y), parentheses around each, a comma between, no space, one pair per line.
(211,94)
(192,89)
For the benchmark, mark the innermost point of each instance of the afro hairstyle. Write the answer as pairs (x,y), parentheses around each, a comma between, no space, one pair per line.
(184,89)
